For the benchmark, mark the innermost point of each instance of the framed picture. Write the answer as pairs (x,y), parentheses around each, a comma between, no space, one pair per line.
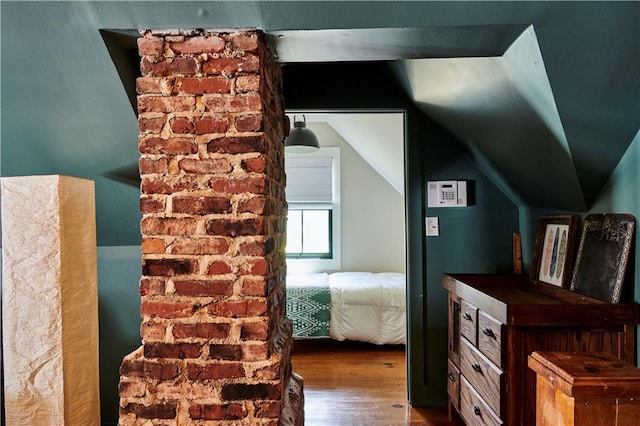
(554,249)
(603,255)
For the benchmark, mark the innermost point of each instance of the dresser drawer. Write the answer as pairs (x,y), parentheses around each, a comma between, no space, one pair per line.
(473,409)
(484,376)
(453,385)
(490,338)
(469,321)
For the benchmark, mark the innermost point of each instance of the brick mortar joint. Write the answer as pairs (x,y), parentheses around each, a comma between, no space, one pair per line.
(192,32)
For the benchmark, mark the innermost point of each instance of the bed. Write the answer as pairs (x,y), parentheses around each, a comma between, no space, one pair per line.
(360,306)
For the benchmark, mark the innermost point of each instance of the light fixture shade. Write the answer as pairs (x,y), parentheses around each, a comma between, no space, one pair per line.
(301,139)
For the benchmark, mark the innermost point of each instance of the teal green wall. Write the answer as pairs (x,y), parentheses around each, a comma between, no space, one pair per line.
(621,194)
(119,272)
(473,239)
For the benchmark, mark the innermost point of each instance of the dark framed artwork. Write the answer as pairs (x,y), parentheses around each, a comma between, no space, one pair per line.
(554,249)
(603,254)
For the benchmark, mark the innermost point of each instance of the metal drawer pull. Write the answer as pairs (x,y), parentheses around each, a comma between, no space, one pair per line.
(467,316)
(452,377)
(476,367)
(476,409)
(488,332)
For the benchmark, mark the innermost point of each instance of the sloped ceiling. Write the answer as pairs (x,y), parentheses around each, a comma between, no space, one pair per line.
(65,109)
(377,137)
(504,109)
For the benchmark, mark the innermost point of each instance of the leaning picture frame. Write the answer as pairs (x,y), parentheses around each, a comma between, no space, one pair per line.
(603,255)
(554,250)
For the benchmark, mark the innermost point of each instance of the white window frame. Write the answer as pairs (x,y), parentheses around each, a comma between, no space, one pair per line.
(334,263)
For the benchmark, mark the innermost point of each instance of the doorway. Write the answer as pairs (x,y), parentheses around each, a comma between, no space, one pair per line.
(371,87)
(371,206)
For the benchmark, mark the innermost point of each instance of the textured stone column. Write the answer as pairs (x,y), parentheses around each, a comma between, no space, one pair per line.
(216,343)
(50,301)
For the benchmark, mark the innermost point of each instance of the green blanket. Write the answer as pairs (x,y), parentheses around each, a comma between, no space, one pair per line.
(309,309)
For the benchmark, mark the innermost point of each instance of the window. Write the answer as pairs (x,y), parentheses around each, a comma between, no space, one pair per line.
(313,240)
(309,234)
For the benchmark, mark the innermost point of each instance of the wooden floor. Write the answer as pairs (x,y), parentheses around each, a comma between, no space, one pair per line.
(352,384)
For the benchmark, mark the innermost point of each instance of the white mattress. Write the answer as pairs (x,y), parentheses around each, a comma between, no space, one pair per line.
(368,307)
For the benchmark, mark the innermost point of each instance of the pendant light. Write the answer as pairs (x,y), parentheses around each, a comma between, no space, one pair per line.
(301,139)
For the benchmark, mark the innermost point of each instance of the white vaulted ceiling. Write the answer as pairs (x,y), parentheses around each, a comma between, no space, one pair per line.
(377,137)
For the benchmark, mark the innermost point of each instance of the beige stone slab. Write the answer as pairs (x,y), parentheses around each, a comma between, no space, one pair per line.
(50,301)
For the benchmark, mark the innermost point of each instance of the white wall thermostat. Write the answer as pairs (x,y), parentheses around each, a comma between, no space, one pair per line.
(447,193)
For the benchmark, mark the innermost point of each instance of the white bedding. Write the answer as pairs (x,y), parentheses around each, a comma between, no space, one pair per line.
(368,307)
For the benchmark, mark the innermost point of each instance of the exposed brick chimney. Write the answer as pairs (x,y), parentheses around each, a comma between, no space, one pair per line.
(216,343)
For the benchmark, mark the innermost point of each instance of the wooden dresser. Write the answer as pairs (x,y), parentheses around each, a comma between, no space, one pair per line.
(497,321)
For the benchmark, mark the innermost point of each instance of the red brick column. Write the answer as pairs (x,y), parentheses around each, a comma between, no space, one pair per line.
(215,341)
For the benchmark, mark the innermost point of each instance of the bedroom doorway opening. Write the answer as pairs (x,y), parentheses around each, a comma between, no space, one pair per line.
(364,188)
(368,224)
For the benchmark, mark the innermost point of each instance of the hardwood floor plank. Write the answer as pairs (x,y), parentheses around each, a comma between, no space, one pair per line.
(353,384)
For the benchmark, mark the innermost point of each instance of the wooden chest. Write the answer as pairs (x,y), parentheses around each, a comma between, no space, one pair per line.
(586,389)
(497,321)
